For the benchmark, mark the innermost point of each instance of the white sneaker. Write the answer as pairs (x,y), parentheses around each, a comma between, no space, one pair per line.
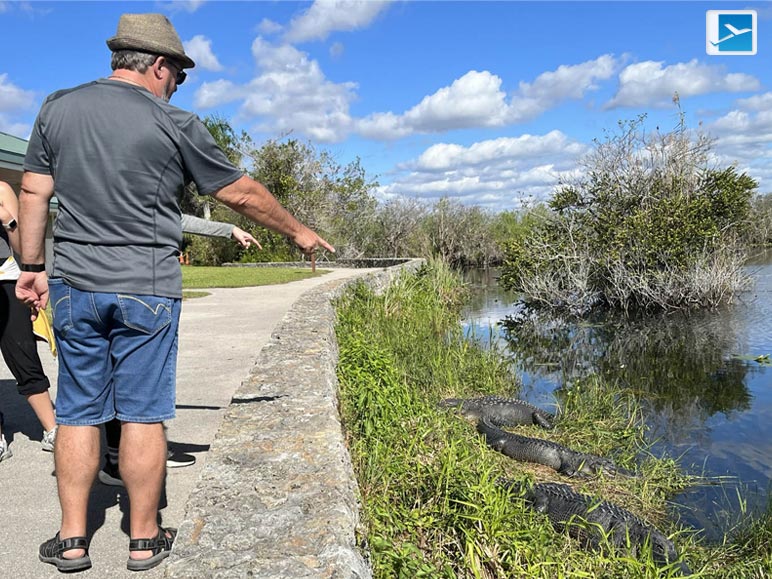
(49,439)
(5,452)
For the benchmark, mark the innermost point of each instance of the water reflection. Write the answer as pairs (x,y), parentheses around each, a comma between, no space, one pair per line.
(682,367)
(705,398)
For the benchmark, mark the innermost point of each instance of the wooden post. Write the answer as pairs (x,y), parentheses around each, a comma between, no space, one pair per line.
(313,263)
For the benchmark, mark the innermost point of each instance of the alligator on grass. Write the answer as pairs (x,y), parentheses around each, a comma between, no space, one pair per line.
(590,520)
(561,458)
(500,411)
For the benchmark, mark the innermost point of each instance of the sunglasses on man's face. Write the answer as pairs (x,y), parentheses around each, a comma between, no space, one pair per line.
(181,74)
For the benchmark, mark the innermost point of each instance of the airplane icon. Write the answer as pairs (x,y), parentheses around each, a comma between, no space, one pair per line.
(734,31)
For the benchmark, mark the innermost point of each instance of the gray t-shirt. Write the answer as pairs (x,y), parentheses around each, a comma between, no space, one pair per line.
(119,157)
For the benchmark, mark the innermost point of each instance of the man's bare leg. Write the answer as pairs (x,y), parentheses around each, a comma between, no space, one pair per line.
(76,455)
(142,464)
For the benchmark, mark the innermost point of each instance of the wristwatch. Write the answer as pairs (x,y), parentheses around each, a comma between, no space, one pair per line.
(11,225)
(32,267)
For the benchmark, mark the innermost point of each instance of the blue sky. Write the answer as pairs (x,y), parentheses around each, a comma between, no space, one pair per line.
(484,102)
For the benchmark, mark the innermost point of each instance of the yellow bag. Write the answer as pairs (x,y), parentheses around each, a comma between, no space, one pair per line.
(42,329)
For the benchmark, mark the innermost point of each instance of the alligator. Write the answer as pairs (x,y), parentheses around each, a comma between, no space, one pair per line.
(590,520)
(561,458)
(500,411)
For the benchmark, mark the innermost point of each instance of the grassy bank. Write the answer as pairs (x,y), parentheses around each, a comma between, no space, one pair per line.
(430,505)
(194,277)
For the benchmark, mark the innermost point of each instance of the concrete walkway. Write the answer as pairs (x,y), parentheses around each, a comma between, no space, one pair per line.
(220,338)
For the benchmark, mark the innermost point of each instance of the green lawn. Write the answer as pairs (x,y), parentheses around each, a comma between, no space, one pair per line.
(207,277)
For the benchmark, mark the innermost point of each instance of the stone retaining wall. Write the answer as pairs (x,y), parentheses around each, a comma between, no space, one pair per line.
(277,497)
(358,263)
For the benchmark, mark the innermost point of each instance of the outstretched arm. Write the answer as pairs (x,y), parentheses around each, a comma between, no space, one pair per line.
(252,200)
(204,227)
(197,226)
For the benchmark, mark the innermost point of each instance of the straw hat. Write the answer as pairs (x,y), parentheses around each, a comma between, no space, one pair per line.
(152,33)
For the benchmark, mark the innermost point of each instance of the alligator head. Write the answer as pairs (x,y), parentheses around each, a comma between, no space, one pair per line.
(595,465)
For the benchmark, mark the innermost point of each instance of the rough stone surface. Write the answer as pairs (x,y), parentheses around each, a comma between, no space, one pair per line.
(278,497)
(347,263)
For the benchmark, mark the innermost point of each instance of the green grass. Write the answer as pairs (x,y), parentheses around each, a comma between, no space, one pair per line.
(194,277)
(430,507)
(190,295)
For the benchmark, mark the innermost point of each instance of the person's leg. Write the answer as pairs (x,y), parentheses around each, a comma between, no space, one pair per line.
(77,459)
(5,452)
(143,467)
(44,409)
(144,350)
(20,353)
(110,474)
(84,401)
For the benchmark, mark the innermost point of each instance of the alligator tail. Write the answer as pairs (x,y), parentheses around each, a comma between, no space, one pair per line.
(542,421)
(489,430)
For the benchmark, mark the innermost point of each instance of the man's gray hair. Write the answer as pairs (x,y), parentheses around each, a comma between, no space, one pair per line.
(132,60)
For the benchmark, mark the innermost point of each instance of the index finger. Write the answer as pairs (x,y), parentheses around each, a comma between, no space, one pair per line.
(324,244)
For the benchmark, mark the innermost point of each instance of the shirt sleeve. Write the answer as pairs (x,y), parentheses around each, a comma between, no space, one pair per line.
(205,162)
(38,158)
(197,226)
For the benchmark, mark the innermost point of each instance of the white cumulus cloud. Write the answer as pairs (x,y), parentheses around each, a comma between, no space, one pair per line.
(495,173)
(477,99)
(501,152)
(289,94)
(17,129)
(183,5)
(269,27)
(567,82)
(13,98)
(327,16)
(756,102)
(212,94)
(743,137)
(651,84)
(199,48)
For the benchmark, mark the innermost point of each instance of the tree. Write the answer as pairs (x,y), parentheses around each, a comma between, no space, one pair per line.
(651,225)
(399,228)
(461,235)
(333,199)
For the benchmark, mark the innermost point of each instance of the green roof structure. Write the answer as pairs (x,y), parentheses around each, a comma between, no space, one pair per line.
(12,151)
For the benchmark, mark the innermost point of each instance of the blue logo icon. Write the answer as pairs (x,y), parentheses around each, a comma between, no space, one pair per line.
(731,32)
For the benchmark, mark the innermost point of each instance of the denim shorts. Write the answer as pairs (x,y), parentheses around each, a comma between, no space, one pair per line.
(117,355)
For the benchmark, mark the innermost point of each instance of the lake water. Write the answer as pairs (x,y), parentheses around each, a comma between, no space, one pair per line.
(706,398)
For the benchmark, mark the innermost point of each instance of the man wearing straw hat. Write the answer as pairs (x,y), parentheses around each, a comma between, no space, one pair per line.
(117,156)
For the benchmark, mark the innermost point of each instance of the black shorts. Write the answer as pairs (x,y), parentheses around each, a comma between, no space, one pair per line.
(17,343)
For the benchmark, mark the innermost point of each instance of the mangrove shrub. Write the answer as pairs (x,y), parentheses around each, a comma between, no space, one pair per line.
(651,225)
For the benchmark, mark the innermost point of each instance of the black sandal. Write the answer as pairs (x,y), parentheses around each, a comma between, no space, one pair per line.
(160,546)
(51,552)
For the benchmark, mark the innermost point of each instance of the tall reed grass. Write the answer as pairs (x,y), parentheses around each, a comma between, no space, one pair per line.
(430,505)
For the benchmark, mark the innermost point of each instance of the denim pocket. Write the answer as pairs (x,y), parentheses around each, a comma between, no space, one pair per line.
(60,298)
(146,314)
